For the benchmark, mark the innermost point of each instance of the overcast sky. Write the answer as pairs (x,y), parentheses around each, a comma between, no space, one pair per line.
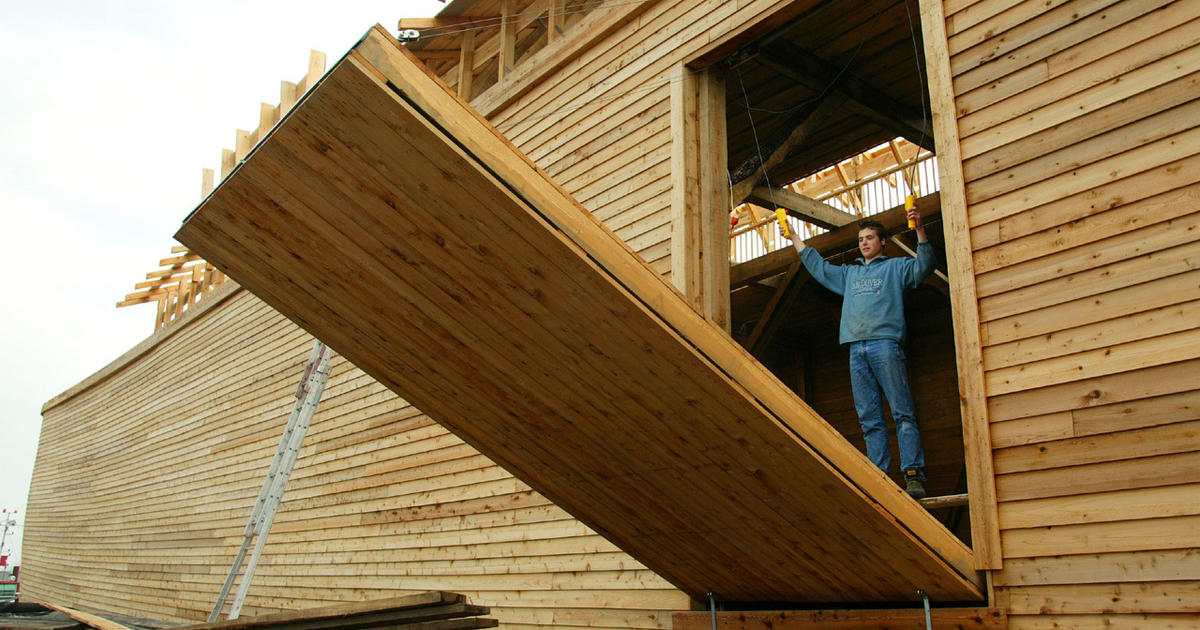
(108,112)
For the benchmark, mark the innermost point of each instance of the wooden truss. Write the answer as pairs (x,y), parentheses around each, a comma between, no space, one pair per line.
(184,278)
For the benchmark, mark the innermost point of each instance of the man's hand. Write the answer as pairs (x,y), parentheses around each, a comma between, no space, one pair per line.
(794,237)
(914,218)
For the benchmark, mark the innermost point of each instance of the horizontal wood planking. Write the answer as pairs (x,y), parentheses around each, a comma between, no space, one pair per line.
(1115,598)
(1158,566)
(1078,126)
(174,450)
(940,618)
(1043,621)
(1117,506)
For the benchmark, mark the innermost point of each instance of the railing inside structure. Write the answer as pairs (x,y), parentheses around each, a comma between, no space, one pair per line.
(755,233)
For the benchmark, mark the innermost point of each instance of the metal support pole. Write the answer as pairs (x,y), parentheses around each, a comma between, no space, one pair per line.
(928,617)
(712,607)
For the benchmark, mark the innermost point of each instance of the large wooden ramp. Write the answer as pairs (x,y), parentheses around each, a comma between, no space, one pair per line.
(387,218)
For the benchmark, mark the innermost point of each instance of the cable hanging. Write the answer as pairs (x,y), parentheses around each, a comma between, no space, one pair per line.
(491,22)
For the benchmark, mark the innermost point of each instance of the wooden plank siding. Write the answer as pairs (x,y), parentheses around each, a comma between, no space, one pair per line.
(1078,125)
(144,481)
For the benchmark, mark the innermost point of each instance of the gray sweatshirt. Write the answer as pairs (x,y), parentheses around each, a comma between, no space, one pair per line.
(872,295)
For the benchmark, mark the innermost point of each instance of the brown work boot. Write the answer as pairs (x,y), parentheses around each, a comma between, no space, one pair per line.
(914,484)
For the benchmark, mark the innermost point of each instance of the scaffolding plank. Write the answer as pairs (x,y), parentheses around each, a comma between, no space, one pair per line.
(390,220)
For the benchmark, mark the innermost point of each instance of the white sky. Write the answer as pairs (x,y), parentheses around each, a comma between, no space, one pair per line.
(108,112)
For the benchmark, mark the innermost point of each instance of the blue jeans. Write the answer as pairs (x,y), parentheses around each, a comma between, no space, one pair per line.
(875,365)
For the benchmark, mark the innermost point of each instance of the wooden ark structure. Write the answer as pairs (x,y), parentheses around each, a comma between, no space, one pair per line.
(555,393)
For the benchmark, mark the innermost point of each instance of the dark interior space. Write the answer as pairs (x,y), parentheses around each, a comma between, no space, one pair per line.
(832,80)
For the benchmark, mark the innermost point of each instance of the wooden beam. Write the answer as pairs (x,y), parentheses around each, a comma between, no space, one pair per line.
(508,38)
(950,500)
(95,621)
(594,27)
(686,227)
(424,610)
(747,175)
(466,65)
(817,74)
(843,238)
(554,21)
(977,441)
(714,197)
(802,207)
(439,54)
(768,323)
(206,182)
(942,618)
(473,22)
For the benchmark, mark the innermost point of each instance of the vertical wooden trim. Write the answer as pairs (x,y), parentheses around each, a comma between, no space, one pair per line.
(981,480)
(685,186)
(508,38)
(714,196)
(466,65)
(700,192)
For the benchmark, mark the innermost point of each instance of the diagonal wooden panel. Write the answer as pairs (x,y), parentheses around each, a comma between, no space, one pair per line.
(390,220)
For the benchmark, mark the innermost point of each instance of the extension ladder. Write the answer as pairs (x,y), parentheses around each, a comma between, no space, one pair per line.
(308,394)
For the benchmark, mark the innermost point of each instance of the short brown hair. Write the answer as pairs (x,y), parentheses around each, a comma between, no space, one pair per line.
(880,230)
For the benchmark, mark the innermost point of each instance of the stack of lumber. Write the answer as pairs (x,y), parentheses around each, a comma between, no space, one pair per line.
(388,219)
(435,610)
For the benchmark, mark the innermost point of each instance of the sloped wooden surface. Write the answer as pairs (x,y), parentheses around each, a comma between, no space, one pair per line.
(396,225)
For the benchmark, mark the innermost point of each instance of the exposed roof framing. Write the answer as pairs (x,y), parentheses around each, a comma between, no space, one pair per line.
(816,74)
(863,51)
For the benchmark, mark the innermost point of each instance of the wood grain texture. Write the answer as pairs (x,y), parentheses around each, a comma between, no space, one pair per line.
(1078,148)
(543,323)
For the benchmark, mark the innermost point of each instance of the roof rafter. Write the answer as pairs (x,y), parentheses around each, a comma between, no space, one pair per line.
(868,101)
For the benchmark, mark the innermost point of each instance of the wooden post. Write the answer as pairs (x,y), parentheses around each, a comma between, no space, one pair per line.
(267,117)
(714,196)
(228,160)
(206,182)
(700,192)
(287,97)
(241,145)
(316,68)
(508,38)
(685,186)
(977,442)
(554,21)
(466,65)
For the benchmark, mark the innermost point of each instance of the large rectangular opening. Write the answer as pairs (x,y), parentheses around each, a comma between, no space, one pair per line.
(824,111)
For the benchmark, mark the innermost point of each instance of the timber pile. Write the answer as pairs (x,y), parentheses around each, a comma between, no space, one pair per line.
(435,610)
(388,219)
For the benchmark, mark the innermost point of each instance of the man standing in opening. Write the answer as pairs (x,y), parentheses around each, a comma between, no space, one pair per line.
(873,326)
